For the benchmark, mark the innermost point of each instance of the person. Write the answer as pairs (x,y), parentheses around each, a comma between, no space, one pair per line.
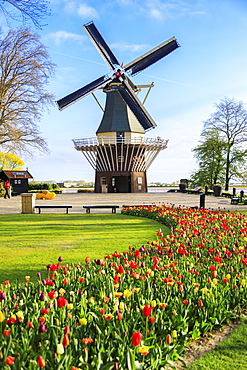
(6,186)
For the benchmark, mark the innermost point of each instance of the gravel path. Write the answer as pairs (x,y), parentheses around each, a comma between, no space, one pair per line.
(78,200)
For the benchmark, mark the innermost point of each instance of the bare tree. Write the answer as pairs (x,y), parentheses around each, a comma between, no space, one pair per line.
(25,68)
(34,10)
(230,120)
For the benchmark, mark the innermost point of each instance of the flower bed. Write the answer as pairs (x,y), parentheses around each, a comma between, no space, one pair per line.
(132,310)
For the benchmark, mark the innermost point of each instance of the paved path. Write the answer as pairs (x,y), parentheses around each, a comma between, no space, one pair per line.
(78,200)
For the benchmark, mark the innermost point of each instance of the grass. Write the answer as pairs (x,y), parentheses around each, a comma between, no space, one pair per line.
(228,355)
(30,242)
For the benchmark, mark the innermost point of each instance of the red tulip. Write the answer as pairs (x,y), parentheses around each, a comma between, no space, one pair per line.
(200,303)
(66,329)
(136,338)
(147,310)
(6,333)
(41,361)
(65,341)
(10,360)
(61,302)
(151,320)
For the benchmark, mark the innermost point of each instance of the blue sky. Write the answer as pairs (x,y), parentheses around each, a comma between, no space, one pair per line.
(210,64)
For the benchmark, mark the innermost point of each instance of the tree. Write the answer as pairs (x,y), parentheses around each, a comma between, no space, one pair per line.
(34,10)
(9,161)
(230,119)
(25,68)
(210,154)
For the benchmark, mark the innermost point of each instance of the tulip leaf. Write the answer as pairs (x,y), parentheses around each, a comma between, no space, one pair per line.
(107,366)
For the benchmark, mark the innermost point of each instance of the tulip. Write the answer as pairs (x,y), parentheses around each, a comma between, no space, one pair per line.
(151,320)
(61,302)
(42,328)
(60,349)
(2,317)
(41,362)
(29,324)
(83,321)
(6,333)
(136,338)
(169,339)
(65,341)
(144,350)
(2,296)
(87,340)
(10,360)
(67,329)
(146,311)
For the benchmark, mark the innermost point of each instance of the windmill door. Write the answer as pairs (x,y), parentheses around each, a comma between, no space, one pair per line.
(122,184)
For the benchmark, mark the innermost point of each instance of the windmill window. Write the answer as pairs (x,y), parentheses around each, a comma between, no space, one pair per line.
(120,137)
(120,158)
(103,181)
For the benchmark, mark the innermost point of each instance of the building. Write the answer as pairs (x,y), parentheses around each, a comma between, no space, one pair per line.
(17,179)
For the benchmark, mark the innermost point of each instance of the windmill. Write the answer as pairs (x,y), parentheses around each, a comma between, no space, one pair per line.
(120,155)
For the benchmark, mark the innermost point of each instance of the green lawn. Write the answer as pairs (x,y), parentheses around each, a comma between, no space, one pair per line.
(228,355)
(30,242)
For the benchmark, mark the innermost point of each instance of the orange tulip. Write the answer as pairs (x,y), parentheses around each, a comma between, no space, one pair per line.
(169,339)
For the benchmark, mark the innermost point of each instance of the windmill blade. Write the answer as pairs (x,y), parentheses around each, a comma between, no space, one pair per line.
(83,91)
(136,106)
(152,56)
(101,45)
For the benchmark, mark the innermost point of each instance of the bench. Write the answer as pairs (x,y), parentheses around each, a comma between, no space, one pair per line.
(197,190)
(88,208)
(235,200)
(53,206)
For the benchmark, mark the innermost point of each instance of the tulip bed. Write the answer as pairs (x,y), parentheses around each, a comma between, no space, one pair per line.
(132,310)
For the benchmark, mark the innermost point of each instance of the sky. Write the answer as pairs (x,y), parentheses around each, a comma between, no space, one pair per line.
(209,65)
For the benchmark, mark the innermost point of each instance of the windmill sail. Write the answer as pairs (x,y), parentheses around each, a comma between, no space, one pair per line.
(101,45)
(83,91)
(152,56)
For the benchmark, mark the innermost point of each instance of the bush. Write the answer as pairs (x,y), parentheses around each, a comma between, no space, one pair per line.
(40,186)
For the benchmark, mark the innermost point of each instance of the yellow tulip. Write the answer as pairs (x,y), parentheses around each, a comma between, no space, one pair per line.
(127,293)
(83,321)
(2,317)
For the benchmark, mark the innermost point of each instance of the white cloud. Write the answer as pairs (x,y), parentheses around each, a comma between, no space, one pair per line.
(61,36)
(83,10)
(87,11)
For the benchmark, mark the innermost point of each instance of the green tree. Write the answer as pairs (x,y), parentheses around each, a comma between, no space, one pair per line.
(9,161)
(25,69)
(210,154)
(230,120)
(34,10)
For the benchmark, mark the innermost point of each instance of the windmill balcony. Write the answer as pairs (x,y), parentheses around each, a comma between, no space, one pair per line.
(95,141)
(120,154)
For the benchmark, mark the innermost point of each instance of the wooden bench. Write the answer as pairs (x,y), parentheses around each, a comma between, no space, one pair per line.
(197,190)
(235,200)
(88,208)
(52,206)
